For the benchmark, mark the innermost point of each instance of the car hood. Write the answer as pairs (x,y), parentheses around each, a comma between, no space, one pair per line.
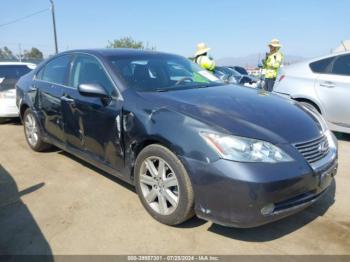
(242,111)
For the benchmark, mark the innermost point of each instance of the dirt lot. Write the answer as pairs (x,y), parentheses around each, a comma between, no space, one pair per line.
(53,203)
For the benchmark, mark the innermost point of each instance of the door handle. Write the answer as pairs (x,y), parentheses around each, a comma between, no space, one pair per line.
(328,84)
(33,88)
(67,99)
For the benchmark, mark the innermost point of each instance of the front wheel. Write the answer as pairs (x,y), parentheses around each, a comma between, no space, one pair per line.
(163,185)
(32,132)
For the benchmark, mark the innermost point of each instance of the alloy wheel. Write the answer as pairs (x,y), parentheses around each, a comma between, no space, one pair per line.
(31,128)
(159,185)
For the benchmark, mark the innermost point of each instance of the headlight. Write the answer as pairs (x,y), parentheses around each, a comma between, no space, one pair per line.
(243,149)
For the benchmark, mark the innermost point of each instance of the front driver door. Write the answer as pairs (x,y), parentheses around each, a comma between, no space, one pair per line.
(334,91)
(92,124)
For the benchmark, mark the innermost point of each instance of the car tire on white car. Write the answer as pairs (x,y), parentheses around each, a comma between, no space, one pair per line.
(33,133)
(163,185)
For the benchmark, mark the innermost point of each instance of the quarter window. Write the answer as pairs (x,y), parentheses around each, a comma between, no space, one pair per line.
(321,66)
(87,70)
(342,65)
(56,70)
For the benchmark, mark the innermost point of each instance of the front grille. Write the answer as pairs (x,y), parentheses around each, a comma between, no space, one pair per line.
(314,150)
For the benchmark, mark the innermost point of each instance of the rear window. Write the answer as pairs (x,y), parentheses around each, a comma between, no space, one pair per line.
(9,75)
(322,66)
(342,65)
(13,71)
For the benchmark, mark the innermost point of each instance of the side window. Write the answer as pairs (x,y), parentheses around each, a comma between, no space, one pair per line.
(56,70)
(321,66)
(341,66)
(88,70)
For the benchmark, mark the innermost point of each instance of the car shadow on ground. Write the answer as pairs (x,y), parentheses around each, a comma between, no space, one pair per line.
(342,136)
(282,227)
(97,170)
(12,121)
(20,234)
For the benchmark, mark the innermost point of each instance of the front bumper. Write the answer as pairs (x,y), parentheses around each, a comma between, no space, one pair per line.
(234,194)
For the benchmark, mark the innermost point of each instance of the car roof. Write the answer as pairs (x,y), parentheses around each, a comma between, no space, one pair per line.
(116,52)
(17,63)
(326,56)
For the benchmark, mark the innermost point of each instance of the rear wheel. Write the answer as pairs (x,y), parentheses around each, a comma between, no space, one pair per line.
(32,132)
(163,185)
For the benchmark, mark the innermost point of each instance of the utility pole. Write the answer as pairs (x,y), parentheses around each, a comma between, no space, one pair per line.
(54,24)
(20,52)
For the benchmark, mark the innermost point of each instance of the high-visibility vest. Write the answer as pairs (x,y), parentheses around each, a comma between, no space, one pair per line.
(205,62)
(272,64)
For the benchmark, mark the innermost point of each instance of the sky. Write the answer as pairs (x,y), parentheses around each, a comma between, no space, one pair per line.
(232,28)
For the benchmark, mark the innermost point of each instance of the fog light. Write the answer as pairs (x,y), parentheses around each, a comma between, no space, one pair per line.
(268,209)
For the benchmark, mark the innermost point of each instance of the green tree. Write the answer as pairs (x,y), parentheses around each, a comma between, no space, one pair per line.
(6,53)
(128,42)
(33,53)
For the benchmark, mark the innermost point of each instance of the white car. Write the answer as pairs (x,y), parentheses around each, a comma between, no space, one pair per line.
(322,84)
(10,72)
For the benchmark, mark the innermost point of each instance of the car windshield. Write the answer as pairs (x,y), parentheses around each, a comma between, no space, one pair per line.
(158,72)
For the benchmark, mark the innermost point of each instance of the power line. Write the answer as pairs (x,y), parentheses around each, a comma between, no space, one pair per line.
(24,17)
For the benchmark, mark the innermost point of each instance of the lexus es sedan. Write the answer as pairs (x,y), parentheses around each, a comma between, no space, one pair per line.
(323,84)
(10,72)
(189,144)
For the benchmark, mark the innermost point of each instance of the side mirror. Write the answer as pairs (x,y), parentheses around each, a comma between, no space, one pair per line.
(92,90)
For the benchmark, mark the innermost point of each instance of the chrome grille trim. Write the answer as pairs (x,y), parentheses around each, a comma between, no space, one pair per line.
(311,149)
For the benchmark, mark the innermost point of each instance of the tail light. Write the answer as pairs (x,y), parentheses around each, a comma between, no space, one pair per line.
(281,78)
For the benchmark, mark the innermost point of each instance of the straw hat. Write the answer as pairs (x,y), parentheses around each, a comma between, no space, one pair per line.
(201,49)
(275,43)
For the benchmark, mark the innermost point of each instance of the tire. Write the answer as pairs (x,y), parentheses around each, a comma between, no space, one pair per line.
(174,184)
(32,132)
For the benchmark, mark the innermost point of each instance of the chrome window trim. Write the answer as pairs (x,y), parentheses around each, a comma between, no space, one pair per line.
(118,97)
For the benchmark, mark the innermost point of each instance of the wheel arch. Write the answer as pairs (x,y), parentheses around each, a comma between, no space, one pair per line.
(310,101)
(22,109)
(137,147)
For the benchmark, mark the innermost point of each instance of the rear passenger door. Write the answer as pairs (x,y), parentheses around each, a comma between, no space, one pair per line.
(333,89)
(92,124)
(48,86)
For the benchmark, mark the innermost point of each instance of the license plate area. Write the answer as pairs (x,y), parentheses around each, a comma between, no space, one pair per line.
(326,177)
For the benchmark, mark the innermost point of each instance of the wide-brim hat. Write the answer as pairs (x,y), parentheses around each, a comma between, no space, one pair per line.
(275,43)
(201,49)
